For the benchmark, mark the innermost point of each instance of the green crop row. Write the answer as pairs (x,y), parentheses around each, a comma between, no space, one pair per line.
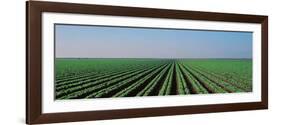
(92,86)
(227,86)
(123,83)
(196,86)
(167,85)
(101,78)
(151,85)
(181,83)
(80,81)
(133,86)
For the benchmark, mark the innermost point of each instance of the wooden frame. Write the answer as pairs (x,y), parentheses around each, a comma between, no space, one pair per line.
(34,68)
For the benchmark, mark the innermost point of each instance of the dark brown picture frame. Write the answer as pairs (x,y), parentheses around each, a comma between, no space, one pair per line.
(34,10)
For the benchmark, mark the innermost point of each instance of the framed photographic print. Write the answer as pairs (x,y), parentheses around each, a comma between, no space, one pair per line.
(93,62)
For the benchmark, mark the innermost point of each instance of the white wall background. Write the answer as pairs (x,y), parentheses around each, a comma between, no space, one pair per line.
(12,64)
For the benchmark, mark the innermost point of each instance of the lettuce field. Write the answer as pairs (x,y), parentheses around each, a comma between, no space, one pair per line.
(77,78)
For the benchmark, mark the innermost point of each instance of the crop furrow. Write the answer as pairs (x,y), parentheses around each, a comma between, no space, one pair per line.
(211,87)
(88,80)
(84,93)
(166,87)
(130,89)
(196,87)
(241,86)
(91,77)
(228,87)
(91,73)
(78,89)
(151,87)
(183,88)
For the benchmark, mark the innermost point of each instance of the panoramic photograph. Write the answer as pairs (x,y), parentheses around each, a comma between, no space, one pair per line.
(111,62)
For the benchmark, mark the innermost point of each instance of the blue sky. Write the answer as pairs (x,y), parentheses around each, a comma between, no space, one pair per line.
(122,42)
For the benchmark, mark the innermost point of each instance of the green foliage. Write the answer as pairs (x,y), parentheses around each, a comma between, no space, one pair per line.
(181,84)
(166,87)
(234,71)
(100,78)
(195,84)
(151,85)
